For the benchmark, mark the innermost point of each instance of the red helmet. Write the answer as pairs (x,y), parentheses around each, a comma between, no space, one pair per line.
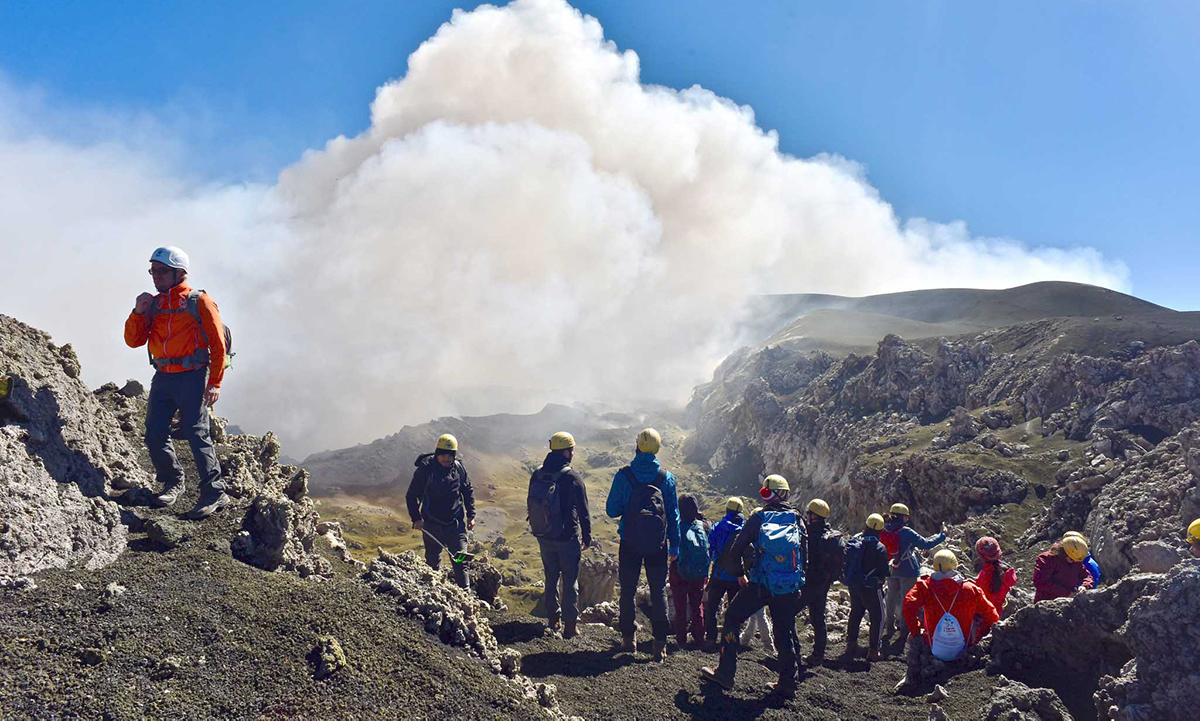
(988,548)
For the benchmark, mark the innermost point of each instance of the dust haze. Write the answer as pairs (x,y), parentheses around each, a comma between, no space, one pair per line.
(524,221)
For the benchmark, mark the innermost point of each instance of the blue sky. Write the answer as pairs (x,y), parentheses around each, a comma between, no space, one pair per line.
(1053,123)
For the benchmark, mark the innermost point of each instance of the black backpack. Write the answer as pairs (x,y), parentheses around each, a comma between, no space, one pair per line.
(645,519)
(544,505)
(833,554)
(443,493)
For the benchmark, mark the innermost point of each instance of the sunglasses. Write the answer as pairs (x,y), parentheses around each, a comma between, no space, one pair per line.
(161,271)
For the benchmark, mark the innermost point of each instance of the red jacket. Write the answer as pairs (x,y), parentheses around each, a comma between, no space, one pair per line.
(1007,580)
(176,335)
(970,601)
(1057,576)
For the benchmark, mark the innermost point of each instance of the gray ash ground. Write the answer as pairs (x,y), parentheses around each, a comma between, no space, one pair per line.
(597,682)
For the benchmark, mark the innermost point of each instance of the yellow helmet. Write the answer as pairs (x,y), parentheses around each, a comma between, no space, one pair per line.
(648,441)
(817,507)
(447,442)
(734,504)
(899,509)
(561,441)
(945,560)
(776,482)
(1076,534)
(875,522)
(1193,535)
(1076,547)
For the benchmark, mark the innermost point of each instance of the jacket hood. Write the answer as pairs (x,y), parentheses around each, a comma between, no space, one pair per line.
(947,576)
(554,462)
(735,518)
(894,525)
(645,467)
(422,459)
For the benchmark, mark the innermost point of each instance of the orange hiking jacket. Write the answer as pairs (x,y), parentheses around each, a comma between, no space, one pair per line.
(926,594)
(175,335)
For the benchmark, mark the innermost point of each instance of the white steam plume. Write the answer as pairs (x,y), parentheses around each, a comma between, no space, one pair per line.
(523,222)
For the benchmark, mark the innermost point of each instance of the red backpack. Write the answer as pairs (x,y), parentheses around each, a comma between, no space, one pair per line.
(890,541)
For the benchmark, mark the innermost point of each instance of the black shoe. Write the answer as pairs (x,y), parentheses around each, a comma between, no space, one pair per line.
(205,507)
(709,674)
(629,644)
(169,495)
(570,632)
(784,690)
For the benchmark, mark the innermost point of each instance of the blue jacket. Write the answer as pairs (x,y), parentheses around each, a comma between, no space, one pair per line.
(909,541)
(645,470)
(719,537)
(1093,569)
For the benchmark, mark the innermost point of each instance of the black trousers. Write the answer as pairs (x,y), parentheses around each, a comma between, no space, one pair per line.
(783,611)
(815,597)
(869,600)
(451,539)
(629,570)
(718,590)
(183,392)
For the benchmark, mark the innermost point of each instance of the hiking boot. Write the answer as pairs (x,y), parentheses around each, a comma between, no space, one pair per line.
(814,660)
(208,505)
(784,689)
(874,655)
(851,651)
(169,495)
(904,685)
(659,654)
(570,632)
(629,644)
(709,674)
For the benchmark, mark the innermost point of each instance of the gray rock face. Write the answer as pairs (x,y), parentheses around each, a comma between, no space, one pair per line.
(60,453)
(1014,701)
(597,578)
(1156,557)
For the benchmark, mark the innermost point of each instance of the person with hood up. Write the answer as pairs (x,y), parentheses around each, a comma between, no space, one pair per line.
(441,503)
(996,577)
(557,508)
(938,611)
(902,543)
(1089,562)
(776,534)
(689,572)
(643,497)
(1060,572)
(721,585)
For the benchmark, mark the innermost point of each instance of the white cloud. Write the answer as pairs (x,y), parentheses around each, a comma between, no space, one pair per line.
(524,221)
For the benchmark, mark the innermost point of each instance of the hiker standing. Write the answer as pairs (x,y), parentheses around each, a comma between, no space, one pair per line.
(558,513)
(996,577)
(441,504)
(643,497)
(822,566)
(867,569)
(936,612)
(721,585)
(1060,572)
(185,339)
(689,572)
(777,536)
(902,543)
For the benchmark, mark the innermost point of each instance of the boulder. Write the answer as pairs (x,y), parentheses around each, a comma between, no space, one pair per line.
(1155,557)
(1014,701)
(328,656)
(995,418)
(166,533)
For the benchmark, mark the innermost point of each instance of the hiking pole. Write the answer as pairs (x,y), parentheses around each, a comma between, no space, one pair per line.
(459,557)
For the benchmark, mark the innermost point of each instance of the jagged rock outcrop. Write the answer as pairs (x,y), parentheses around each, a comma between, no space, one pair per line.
(60,454)
(597,578)
(1014,701)
(1163,681)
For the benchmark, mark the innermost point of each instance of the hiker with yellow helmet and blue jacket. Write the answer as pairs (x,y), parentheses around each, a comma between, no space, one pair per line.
(902,542)
(643,497)
(776,534)
(721,585)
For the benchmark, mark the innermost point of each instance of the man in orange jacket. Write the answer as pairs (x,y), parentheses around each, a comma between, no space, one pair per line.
(188,354)
(948,605)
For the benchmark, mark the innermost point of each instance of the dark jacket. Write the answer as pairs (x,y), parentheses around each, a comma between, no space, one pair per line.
(1056,576)
(820,554)
(440,495)
(734,564)
(572,494)
(719,538)
(875,566)
(907,565)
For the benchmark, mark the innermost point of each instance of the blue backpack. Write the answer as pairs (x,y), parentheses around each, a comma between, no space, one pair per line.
(780,553)
(693,553)
(718,538)
(856,576)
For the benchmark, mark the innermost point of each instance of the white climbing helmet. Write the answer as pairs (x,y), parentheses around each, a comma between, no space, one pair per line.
(170,256)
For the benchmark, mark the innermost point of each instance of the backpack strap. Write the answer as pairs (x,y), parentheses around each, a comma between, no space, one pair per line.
(935,597)
(200,357)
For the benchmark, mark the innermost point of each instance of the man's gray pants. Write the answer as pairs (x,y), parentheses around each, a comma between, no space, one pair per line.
(183,392)
(451,538)
(561,559)
(897,588)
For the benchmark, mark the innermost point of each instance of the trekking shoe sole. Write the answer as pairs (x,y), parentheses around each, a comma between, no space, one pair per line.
(708,674)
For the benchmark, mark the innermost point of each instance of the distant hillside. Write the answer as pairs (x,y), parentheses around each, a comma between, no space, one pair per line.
(840,324)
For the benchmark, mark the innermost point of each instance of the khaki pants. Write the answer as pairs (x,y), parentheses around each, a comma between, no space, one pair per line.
(897,588)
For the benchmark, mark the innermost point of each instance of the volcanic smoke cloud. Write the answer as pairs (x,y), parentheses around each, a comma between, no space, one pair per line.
(523,222)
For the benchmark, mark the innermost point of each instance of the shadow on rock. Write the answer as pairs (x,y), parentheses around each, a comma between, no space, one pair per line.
(716,704)
(517,632)
(574,663)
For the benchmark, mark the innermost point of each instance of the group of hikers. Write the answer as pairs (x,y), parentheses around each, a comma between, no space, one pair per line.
(763,568)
